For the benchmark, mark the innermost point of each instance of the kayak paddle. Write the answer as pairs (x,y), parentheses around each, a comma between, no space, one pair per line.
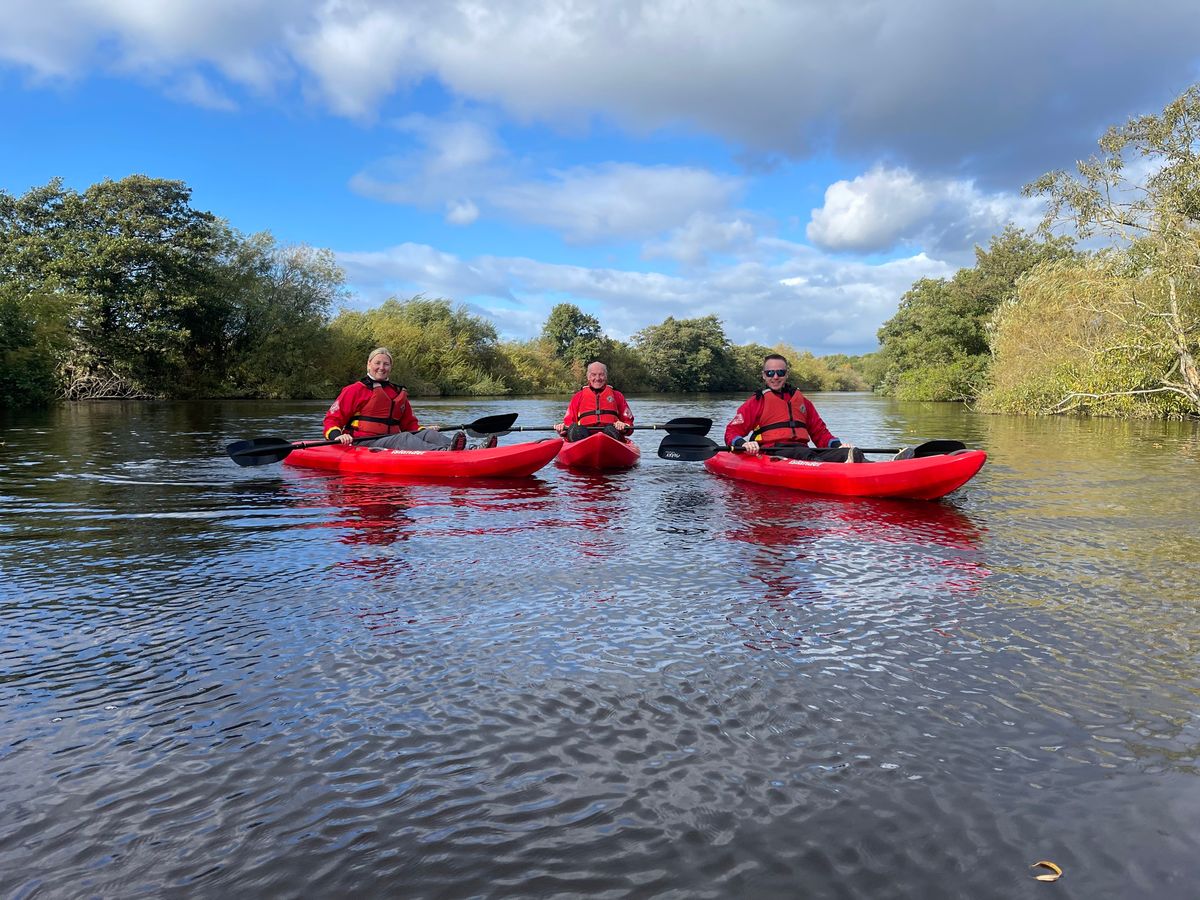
(693,425)
(264,451)
(690,448)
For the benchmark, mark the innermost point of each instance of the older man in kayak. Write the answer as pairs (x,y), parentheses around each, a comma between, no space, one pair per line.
(780,421)
(375,406)
(596,407)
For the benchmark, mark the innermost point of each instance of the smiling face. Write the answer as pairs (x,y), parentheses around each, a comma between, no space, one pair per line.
(379,367)
(597,375)
(775,372)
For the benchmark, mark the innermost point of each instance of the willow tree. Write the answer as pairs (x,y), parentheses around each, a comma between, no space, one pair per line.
(1129,320)
(936,345)
(438,348)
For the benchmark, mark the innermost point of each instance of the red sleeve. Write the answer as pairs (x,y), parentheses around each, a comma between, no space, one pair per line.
(348,402)
(739,425)
(572,413)
(623,406)
(817,430)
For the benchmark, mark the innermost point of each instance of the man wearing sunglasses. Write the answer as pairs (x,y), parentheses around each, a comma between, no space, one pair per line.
(781,421)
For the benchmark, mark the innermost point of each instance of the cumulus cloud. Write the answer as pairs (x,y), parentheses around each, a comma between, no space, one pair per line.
(1031,81)
(615,200)
(884,208)
(243,40)
(449,160)
(358,53)
(460,166)
(461,212)
(702,236)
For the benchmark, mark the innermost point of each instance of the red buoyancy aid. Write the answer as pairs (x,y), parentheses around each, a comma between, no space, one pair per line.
(783,419)
(382,413)
(605,413)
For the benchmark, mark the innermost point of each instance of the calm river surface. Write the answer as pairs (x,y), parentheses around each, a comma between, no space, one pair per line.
(264,682)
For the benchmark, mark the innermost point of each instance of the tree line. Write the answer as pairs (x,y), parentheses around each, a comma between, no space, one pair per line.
(1039,326)
(126,290)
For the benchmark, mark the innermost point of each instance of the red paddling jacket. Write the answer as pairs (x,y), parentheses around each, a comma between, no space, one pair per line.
(597,409)
(778,417)
(370,407)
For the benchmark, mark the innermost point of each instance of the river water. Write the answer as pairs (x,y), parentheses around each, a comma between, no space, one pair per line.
(220,681)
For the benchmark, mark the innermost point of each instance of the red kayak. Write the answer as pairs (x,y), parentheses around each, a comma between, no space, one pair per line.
(599,452)
(925,478)
(513,461)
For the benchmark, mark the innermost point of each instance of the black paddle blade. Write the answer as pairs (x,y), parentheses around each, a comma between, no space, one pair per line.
(687,425)
(688,447)
(260,451)
(491,425)
(937,448)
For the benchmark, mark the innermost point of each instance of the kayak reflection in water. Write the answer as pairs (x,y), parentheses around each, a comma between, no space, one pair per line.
(781,420)
(596,407)
(375,406)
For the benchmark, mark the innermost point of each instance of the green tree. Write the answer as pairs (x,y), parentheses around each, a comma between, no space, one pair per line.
(1073,339)
(139,271)
(531,367)
(574,335)
(935,347)
(747,362)
(626,367)
(1146,299)
(277,337)
(150,269)
(437,348)
(33,333)
(683,355)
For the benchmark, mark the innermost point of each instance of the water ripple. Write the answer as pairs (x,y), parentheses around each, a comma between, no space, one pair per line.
(218,681)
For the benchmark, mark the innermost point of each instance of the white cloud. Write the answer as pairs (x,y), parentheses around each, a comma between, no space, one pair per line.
(449,160)
(702,236)
(1032,82)
(872,212)
(615,200)
(460,166)
(461,212)
(197,90)
(884,208)
(359,52)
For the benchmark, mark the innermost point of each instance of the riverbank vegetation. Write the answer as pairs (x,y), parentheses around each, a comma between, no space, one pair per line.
(125,290)
(1041,327)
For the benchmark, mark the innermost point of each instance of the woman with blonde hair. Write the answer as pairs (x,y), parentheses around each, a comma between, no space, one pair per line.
(374,406)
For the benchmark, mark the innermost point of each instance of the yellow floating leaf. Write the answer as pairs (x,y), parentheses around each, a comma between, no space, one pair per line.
(1053,875)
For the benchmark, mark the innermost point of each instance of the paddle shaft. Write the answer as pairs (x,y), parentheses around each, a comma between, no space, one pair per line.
(264,451)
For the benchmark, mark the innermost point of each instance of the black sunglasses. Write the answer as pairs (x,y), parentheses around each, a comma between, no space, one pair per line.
(775,373)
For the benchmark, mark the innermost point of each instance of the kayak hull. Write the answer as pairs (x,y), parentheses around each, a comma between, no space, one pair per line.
(927,478)
(599,452)
(512,461)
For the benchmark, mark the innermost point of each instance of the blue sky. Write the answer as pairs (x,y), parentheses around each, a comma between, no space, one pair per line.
(791,166)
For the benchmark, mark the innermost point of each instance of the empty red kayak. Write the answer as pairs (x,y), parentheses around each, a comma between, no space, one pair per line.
(926,478)
(513,461)
(600,452)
